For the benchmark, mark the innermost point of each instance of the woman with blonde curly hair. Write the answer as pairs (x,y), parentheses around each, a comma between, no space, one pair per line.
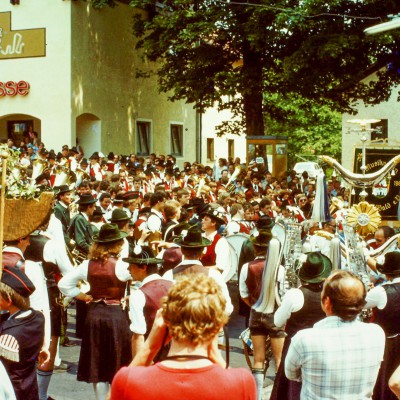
(106,337)
(192,314)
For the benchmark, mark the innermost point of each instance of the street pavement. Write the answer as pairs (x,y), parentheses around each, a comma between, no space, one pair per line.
(64,386)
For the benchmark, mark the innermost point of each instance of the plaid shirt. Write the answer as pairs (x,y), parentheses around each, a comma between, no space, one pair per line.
(336,359)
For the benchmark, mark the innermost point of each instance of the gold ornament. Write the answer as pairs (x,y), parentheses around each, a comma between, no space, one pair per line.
(364,218)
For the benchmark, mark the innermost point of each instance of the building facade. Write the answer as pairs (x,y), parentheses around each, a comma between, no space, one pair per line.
(70,73)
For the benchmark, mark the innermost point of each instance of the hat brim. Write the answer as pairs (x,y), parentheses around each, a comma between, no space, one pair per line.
(213,217)
(86,202)
(113,221)
(96,238)
(255,243)
(191,245)
(382,270)
(141,261)
(326,271)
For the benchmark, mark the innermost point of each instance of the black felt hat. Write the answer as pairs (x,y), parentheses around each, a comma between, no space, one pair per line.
(261,238)
(17,280)
(192,238)
(391,265)
(62,189)
(86,199)
(109,233)
(145,257)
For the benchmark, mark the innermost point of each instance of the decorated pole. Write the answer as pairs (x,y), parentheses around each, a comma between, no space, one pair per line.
(4,157)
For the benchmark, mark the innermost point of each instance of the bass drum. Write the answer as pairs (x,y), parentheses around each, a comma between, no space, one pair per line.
(235,246)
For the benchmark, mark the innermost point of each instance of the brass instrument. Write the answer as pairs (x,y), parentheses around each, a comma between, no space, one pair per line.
(291,249)
(64,176)
(230,187)
(39,166)
(81,175)
(200,186)
(390,245)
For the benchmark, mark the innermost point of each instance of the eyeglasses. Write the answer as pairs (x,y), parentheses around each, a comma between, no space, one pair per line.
(303,200)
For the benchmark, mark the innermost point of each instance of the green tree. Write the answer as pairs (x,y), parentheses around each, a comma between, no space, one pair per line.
(312,128)
(230,53)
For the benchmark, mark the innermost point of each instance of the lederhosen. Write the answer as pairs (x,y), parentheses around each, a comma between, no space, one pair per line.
(21,340)
(106,340)
(34,252)
(389,320)
(306,317)
(259,323)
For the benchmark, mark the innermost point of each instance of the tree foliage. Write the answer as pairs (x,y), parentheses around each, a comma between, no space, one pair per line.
(313,129)
(216,52)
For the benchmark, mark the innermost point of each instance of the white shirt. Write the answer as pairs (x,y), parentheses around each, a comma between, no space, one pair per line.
(6,388)
(377,296)
(67,284)
(154,222)
(212,273)
(137,301)
(292,302)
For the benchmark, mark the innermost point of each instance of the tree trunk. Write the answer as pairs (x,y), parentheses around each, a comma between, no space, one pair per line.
(252,91)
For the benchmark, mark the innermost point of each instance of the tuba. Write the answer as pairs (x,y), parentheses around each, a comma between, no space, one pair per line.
(390,245)
(39,166)
(64,176)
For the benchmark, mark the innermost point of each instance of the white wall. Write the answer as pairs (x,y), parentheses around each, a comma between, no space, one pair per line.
(49,76)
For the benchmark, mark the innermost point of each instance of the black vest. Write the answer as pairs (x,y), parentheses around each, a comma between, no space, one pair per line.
(309,314)
(34,252)
(389,317)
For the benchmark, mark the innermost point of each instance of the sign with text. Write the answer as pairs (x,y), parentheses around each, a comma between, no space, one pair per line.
(384,195)
(12,89)
(23,43)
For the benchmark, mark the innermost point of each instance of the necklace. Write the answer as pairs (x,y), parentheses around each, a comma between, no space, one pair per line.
(185,357)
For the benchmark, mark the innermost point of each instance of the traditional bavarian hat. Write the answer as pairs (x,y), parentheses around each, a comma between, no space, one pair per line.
(192,238)
(314,267)
(109,233)
(86,199)
(391,264)
(118,215)
(261,238)
(62,189)
(145,257)
(215,213)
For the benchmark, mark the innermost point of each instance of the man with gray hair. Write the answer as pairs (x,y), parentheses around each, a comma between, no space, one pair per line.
(339,358)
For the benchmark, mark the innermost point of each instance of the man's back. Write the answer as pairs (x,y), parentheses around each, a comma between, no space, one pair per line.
(336,359)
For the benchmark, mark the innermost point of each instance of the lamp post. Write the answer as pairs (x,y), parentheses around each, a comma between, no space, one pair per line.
(362,131)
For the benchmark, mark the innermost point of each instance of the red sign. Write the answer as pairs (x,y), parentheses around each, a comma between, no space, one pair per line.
(11,88)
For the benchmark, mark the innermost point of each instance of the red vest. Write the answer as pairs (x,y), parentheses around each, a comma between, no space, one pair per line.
(254,279)
(104,283)
(210,257)
(153,291)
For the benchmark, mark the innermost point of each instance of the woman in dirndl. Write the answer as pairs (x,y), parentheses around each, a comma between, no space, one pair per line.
(106,341)
(300,309)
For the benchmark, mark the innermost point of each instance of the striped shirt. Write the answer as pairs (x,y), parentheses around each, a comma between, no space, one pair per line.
(336,359)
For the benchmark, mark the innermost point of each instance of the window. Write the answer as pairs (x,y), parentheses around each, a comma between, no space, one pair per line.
(176,139)
(210,149)
(231,148)
(380,131)
(143,130)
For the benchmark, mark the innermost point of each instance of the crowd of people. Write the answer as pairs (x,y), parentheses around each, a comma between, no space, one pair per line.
(142,247)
